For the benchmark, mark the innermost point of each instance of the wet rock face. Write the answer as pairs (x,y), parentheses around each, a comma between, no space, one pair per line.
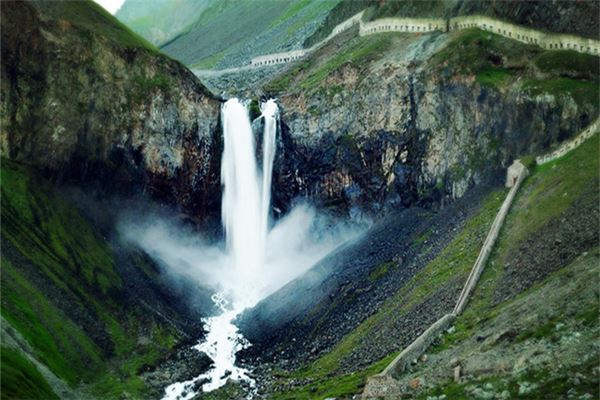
(405,136)
(87,110)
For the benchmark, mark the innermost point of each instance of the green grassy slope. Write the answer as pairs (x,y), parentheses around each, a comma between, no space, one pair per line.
(161,20)
(278,24)
(498,63)
(495,62)
(454,262)
(88,15)
(62,291)
(21,379)
(546,196)
(561,194)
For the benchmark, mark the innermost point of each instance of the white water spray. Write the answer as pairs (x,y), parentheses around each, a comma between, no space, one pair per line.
(245,213)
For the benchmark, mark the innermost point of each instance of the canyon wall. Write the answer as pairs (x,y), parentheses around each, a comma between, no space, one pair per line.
(99,108)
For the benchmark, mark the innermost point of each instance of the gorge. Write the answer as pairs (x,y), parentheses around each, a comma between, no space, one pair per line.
(295,200)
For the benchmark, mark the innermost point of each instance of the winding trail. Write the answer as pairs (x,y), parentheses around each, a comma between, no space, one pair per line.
(545,40)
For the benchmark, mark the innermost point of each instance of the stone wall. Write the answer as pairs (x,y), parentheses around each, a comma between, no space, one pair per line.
(413,25)
(281,58)
(570,144)
(550,41)
(418,346)
(380,387)
(521,172)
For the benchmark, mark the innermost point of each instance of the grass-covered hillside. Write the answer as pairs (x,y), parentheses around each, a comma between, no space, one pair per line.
(535,307)
(88,15)
(494,61)
(230,32)
(86,310)
(161,20)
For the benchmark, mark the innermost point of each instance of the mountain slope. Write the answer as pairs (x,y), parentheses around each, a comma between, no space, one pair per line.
(391,119)
(522,318)
(160,20)
(91,310)
(117,115)
(559,17)
(229,33)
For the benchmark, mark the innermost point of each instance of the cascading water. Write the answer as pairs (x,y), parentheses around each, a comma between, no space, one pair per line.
(245,214)
(269,112)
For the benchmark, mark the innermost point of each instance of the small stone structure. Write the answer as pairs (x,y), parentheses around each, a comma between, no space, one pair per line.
(377,385)
(570,144)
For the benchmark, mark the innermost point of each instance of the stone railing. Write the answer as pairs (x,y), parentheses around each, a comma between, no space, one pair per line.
(412,25)
(570,144)
(551,41)
(384,385)
(515,175)
(280,58)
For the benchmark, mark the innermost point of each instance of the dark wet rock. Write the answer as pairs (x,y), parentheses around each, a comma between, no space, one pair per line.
(343,290)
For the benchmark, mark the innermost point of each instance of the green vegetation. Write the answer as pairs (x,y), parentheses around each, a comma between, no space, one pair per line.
(381,271)
(293,9)
(311,14)
(544,196)
(484,54)
(548,385)
(209,62)
(454,262)
(582,91)
(147,84)
(493,77)
(331,386)
(210,37)
(56,271)
(21,379)
(307,76)
(569,63)
(497,61)
(364,50)
(88,15)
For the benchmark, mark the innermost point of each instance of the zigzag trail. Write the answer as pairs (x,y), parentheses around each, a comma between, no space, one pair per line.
(545,40)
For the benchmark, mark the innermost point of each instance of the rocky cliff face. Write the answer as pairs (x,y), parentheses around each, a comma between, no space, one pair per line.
(397,120)
(86,101)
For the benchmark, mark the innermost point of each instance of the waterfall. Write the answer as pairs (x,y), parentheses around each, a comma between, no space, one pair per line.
(269,112)
(245,216)
(241,202)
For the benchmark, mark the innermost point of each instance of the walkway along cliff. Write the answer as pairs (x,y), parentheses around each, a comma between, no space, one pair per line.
(545,40)
(384,385)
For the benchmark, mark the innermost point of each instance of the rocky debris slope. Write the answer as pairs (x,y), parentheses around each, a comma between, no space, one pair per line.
(310,315)
(87,101)
(515,352)
(529,328)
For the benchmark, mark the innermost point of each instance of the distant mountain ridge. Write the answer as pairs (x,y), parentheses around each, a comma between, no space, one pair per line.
(201,33)
(159,21)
